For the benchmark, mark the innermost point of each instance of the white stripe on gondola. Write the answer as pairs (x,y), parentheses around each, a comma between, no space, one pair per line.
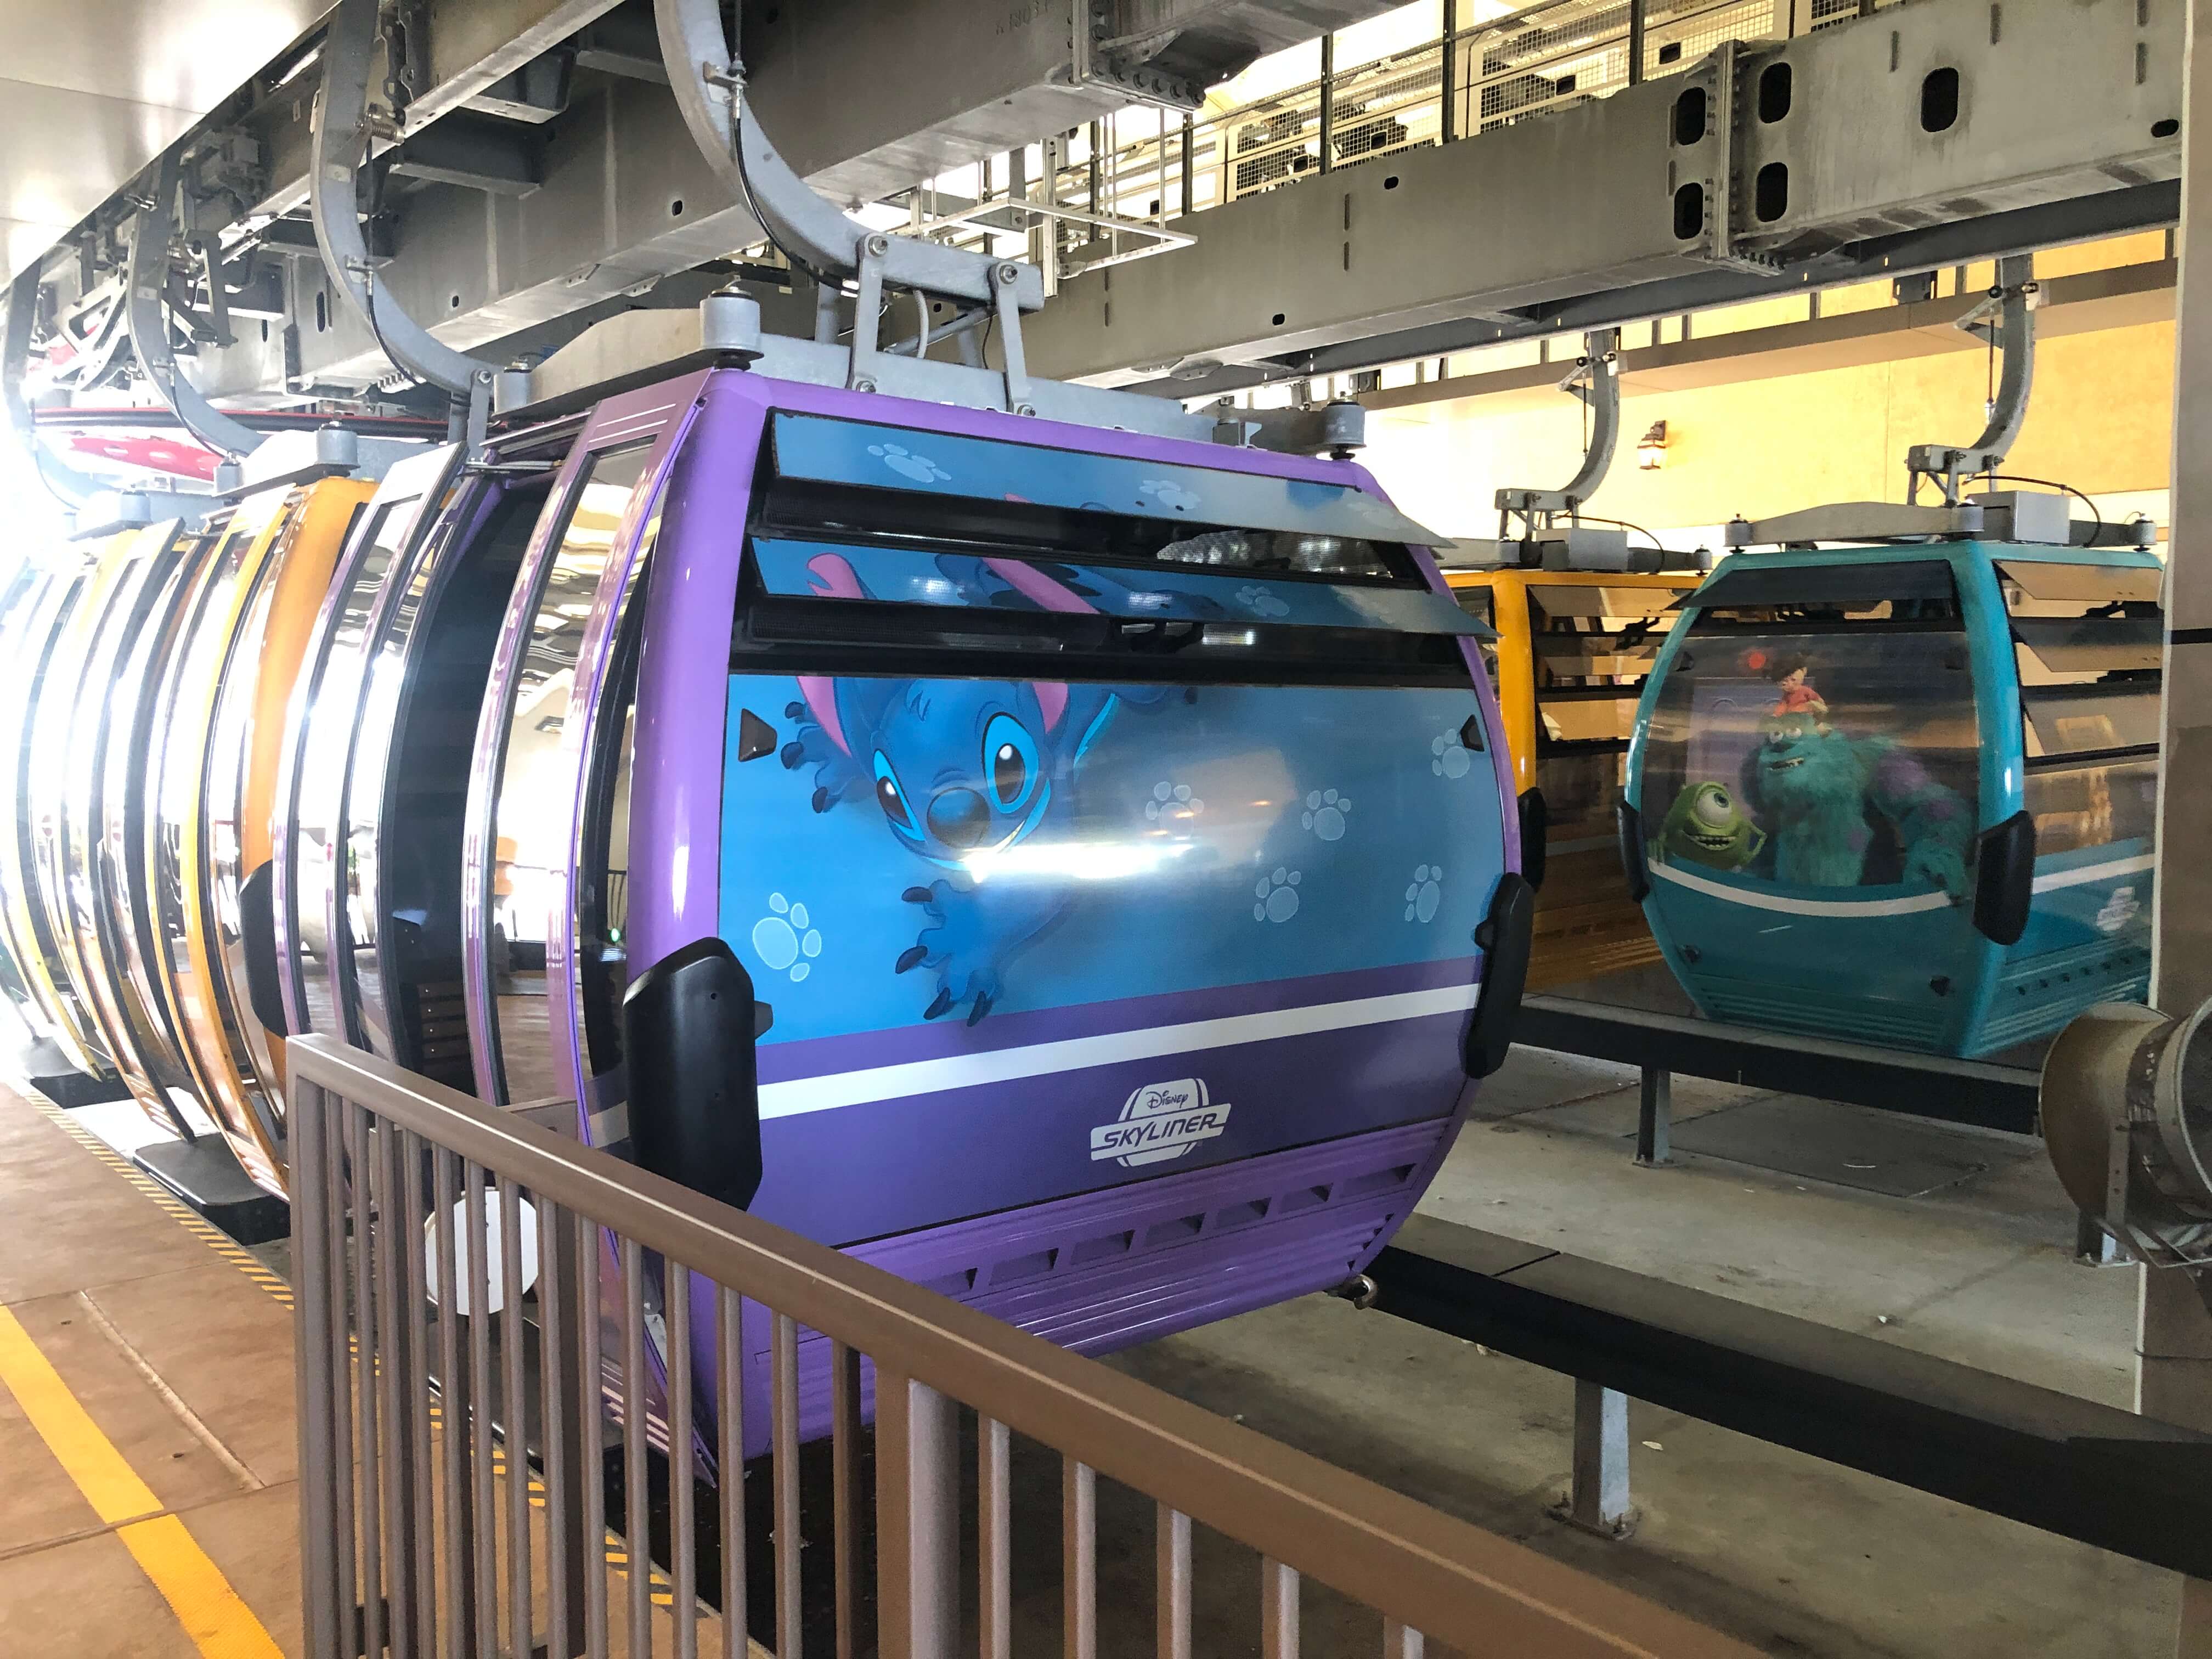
(2139,864)
(925,1077)
(1797,907)
(1896,907)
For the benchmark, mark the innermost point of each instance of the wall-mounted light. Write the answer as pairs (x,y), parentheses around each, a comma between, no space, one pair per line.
(1651,447)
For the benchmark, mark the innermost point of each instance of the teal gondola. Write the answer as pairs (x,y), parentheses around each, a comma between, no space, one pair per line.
(1904,793)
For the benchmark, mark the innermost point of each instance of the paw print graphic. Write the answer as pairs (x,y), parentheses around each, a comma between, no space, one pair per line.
(904,462)
(785,941)
(1325,814)
(1425,892)
(1173,800)
(1277,895)
(1449,758)
(1260,602)
(1168,493)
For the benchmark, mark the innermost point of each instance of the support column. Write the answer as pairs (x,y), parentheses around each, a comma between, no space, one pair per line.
(1654,1119)
(2173,1375)
(1598,1501)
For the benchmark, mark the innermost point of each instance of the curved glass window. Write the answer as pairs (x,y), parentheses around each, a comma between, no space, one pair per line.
(325,746)
(533,810)
(407,790)
(1825,744)
(1593,647)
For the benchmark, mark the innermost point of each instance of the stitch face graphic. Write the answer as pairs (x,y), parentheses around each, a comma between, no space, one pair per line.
(963,773)
(904,462)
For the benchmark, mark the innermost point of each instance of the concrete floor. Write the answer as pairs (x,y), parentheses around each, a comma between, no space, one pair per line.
(1790,1553)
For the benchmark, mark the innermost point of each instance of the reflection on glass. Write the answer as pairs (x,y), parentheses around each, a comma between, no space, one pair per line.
(176,798)
(1481,603)
(325,743)
(126,920)
(2111,804)
(1593,646)
(2089,639)
(602,851)
(533,811)
(1816,757)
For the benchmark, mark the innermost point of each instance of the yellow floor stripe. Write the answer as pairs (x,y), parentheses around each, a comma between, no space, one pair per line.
(220,1624)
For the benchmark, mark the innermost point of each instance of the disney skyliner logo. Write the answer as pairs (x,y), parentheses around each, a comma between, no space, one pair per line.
(1159,1121)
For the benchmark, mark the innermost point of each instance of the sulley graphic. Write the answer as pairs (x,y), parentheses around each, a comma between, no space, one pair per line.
(966,773)
(1707,826)
(1820,795)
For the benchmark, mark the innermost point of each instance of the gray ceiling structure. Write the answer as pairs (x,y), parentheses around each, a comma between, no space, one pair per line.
(91,91)
(1684,192)
(540,175)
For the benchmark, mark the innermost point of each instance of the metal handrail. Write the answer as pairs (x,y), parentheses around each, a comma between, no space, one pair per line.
(1423,1570)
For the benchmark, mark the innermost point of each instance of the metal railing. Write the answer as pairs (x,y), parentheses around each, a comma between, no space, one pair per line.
(452,1487)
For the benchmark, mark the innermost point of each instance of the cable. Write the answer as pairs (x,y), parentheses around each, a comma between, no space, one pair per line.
(1623,524)
(2053,483)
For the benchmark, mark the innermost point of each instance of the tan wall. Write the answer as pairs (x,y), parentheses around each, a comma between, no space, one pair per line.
(2101,420)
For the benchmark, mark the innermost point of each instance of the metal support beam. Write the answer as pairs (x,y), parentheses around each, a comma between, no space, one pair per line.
(1597,1501)
(2006,320)
(341,132)
(147,305)
(67,485)
(1461,245)
(1654,1118)
(2086,1471)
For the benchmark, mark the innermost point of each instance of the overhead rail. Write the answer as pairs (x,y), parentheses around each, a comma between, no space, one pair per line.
(377,1152)
(1745,172)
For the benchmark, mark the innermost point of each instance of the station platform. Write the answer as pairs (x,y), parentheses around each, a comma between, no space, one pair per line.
(146,1415)
(148,1439)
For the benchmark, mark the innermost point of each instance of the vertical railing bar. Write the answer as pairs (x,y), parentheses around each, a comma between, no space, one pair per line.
(514,1411)
(683,1542)
(637,1540)
(310,1315)
(1078,1547)
(337,1205)
(785,1427)
(848,1500)
(1172,1591)
(482,1397)
(591,1386)
(1279,1611)
(1400,1642)
(730,1464)
(417,1384)
(371,1484)
(994,1505)
(566,1536)
(394,1371)
(453,1402)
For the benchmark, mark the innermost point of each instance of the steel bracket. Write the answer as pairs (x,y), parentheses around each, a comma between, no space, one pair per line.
(148,303)
(2005,318)
(342,129)
(708,80)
